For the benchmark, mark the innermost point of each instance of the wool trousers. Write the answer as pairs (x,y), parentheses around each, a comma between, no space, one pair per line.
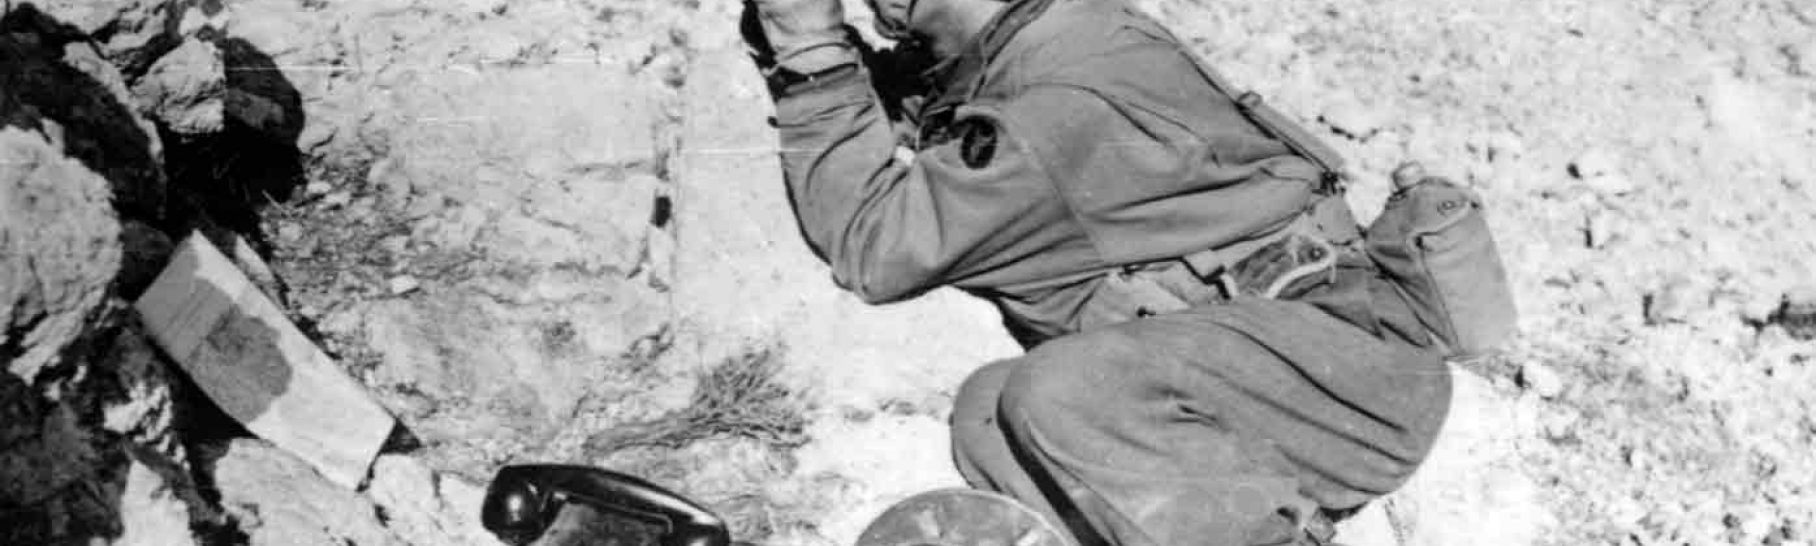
(1224,425)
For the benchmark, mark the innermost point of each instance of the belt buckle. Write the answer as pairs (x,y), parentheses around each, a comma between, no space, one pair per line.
(1224,281)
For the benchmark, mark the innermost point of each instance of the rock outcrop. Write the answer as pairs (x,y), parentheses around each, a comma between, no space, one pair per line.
(86,448)
(90,439)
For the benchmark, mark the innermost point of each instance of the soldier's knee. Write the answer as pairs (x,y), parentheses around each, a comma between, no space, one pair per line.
(979,448)
(976,400)
(1057,380)
(974,425)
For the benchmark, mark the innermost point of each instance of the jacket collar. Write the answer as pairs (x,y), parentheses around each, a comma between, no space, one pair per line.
(956,79)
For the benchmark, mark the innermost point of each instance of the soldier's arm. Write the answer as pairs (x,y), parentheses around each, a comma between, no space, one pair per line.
(890,227)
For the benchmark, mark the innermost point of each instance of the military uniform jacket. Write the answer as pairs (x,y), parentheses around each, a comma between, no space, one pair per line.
(1069,139)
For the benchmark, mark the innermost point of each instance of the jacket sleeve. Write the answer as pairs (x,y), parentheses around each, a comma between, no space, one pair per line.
(892,227)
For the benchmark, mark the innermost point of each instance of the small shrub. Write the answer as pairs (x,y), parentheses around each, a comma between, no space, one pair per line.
(739,397)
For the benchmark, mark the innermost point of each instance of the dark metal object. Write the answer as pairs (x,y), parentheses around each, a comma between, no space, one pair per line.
(961,517)
(523,501)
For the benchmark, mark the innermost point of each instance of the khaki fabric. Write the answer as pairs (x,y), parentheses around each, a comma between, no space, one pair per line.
(1221,425)
(1109,149)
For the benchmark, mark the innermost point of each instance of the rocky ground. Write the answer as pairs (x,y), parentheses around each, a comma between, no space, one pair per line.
(554,231)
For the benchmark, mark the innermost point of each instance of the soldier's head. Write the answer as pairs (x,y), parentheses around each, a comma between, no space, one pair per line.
(942,26)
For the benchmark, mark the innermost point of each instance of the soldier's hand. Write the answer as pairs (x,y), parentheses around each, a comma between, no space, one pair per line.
(804,35)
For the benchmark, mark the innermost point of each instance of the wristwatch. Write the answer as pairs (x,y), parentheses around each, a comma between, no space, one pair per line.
(783,77)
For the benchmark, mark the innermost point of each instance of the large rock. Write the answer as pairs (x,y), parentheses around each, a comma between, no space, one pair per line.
(77,391)
(61,243)
(88,448)
(80,393)
(186,89)
(131,33)
(79,101)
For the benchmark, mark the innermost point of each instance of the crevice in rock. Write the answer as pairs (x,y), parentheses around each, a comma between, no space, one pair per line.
(14,342)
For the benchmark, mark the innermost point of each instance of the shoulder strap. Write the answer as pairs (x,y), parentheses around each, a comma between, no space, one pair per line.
(1278,126)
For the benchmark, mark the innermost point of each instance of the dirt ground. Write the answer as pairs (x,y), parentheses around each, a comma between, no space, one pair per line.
(554,231)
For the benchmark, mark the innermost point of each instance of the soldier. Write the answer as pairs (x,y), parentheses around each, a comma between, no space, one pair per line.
(1211,358)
